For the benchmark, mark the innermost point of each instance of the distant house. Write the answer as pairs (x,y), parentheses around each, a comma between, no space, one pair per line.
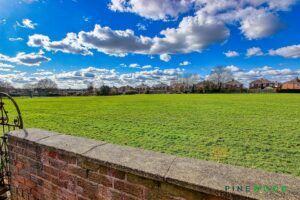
(293,84)
(205,86)
(142,89)
(232,86)
(263,83)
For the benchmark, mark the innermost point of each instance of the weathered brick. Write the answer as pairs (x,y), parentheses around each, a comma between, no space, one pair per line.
(176,191)
(50,170)
(58,164)
(211,197)
(67,181)
(149,183)
(90,165)
(129,188)
(67,158)
(89,189)
(37,180)
(116,173)
(116,195)
(74,169)
(100,179)
(103,191)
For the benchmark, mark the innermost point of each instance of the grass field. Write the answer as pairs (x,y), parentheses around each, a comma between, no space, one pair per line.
(254,130)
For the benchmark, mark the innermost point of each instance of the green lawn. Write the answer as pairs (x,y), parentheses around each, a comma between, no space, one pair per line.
(254,130)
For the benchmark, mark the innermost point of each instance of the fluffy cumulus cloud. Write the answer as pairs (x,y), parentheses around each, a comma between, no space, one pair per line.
(82,77)
(17,79)
(193,34)
(114,42)
(246,76)
(70,44)
(165,57)
(256,19)
(231,54)
(292,51)
(206,26)
(152,9)
(260,24)
(6,67)
(27,23)
(30,59)
(254,51)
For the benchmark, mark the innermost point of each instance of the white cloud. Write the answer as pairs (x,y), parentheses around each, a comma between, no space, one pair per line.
(15,39)
(43,73)
(184,63)
(26,23)
(118,43)
(86,19)
(208,25)
(257,19)
(147,67)
(152,9)
(31,59)
(231,54)
(165,57)
(70,44)
(260,24)
(192,35)
(254,51)
(280,75)
(233,68)
(134,65)
(6,67)
(137,66)
(292,51)
(141,27)
(80,78)
(2,21)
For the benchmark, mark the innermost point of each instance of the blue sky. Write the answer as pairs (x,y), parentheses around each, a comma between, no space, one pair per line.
(129,42)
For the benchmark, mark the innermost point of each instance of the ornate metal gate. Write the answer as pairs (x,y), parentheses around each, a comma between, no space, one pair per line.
(10,119)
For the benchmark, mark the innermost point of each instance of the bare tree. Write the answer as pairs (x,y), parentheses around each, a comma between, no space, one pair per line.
(29,86)
(46,84)
(220,75)
(188,80)
(46,87)
(5,86)
(90,88)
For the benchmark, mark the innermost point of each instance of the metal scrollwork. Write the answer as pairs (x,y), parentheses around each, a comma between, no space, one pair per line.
(8,121)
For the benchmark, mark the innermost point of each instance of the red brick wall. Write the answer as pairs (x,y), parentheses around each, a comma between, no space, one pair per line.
(290,86)
(39,172)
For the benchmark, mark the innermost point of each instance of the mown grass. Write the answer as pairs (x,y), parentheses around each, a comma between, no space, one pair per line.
(254,130)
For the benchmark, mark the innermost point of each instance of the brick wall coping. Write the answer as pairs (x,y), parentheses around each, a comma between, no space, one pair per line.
(203,176)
